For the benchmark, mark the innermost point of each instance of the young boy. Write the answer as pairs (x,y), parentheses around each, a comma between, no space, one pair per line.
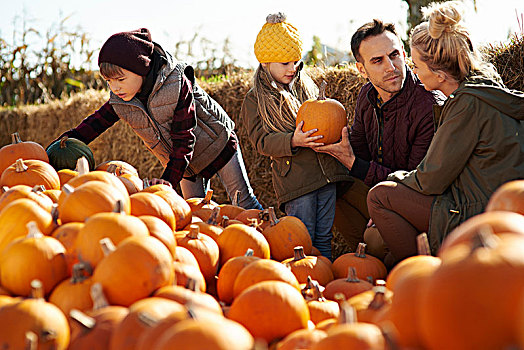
(188,131)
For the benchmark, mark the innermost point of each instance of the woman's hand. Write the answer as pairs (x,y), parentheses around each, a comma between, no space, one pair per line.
(304,139)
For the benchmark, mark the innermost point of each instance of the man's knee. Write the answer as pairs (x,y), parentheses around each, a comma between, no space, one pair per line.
(378,195)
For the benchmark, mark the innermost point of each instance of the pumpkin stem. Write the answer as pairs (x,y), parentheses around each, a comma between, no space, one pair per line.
(112,168)
(299,253)
(119,207)
(38,188)
(423,244)
(253,222)
(207,198)
(68,189)
(484,238)
(194,230)
(63,142)
(84,320)
(272,216)
(37,289)
(369,279)
(15,138)
(361,250)
(81,271)
(107,246)
(347,311)
(33,231)
(236,196)
(5,189)
(98,297)
(192,284)
(225,221)
(352,275)
(31,341)
(55,214)
(20,166)
(146,182)
(249,252)
(317,292)
(146,319)
(322,91)
(82,166)
(213,218)
(379,299)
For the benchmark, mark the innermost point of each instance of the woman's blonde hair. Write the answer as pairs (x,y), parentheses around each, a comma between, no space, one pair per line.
(444,43)
(278,103)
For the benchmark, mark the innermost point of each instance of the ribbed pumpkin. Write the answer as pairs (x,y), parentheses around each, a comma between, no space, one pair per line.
(185,272)
(75,292)
(24,191)
(32,257)
(325,114)
(143,203)
(15,217)
(270,310)
(304,266)
(228,274)
(64,153)
(349,286)
(237,238)
(365,264)
(121,167)
(180,208)
(65,175)
(33,323)
(301,339)
(284,234)
(88,199)
(131,328)
(30,172)
(470,301)
(116,225)
(159,229)
(67,234)
(197,203)
(20,149)
(136,268)
(508,197)
(205,250)
(216,334)
(263,270)
(94,329)
(497,221)
(96,175)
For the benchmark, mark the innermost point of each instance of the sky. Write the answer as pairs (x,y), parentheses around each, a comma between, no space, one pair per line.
(239,21)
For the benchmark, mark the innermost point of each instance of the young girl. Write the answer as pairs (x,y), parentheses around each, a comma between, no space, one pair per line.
(304,181)
(478,144)
(179,123)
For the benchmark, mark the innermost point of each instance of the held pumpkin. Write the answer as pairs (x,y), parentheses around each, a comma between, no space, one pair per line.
(325,114)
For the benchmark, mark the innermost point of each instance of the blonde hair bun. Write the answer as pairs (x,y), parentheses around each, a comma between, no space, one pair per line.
(443,17)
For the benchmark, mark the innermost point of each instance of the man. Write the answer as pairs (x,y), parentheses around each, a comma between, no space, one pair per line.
(392,128)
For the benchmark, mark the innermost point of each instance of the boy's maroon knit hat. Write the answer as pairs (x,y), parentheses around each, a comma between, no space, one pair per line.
(130,50)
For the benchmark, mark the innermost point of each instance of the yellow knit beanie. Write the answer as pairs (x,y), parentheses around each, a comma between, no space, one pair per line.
(278,41)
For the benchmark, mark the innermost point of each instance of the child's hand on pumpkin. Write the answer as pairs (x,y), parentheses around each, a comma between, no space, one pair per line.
(304,139)
(156,181)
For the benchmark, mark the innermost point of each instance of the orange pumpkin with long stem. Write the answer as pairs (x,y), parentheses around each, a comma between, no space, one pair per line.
(349,286)
(365,264)
(304,266)
(20,149)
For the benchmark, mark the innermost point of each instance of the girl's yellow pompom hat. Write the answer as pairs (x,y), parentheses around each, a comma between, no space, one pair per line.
(278,41)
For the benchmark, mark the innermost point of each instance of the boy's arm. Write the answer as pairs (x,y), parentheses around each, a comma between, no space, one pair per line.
(182,136)
(94,125)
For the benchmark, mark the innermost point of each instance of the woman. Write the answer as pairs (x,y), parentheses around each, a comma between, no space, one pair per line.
(478,144)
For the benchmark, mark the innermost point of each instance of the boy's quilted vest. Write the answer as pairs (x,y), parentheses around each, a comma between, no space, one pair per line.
(212,131)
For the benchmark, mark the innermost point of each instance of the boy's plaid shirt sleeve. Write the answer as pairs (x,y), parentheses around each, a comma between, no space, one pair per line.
(94,125)
(182,136)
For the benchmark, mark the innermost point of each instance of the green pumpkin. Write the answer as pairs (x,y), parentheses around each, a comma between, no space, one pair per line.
(64,153)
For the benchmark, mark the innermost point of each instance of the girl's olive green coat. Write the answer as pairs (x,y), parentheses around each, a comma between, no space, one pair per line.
(295,172)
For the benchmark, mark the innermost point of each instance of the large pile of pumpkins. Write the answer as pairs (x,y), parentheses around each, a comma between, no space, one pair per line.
(94,257)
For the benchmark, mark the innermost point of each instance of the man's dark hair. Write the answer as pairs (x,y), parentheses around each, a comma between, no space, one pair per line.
(374,28)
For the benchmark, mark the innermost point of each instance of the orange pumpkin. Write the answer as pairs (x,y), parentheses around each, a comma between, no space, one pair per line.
(184,256)
(349,286)
(33,323)
(184,273)
(159,229)
(180,208)
(30,172)
(87,176)
(205,250)
(279,308)
(24,191)
(301,339)
(74,293)
(143,203)
(65,175)
(371,305)
(136,268)
(153,334)
(197,203)
(325,114)
(20,149)
(365,264)
(121,167)
(67,234)
(304,266)
(263,270)
(237,238)
(284,234)
(319,307)
(508,197)
(190,297)
(229,272)
(32,257)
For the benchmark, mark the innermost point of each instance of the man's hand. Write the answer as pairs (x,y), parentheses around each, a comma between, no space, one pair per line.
(341,150)
(304,139)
